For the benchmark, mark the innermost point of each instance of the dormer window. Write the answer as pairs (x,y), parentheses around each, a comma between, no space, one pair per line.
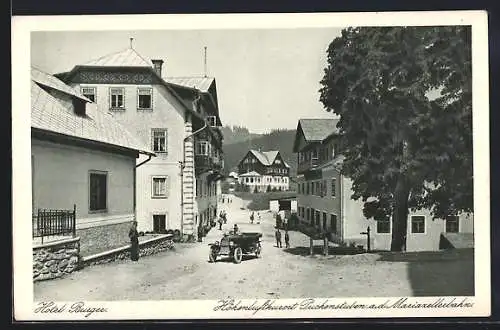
(211,121)
(89,92)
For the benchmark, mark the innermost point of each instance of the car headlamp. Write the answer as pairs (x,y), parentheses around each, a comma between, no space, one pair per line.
(231,243)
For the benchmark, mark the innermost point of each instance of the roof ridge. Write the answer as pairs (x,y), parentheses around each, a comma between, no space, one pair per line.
(103,56)
(138,54)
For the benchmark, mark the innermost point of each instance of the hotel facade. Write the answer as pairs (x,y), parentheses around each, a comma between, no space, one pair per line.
(179,118)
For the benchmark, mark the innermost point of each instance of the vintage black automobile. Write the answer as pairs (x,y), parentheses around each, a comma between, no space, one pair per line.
(235,246)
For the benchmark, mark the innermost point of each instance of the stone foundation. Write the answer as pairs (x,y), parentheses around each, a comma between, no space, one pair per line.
(55,259)
(103,238)
(147,247)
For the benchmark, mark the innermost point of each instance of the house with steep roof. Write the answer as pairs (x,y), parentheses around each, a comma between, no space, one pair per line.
(264,171)
(324,198)
(83,160)
(179,119)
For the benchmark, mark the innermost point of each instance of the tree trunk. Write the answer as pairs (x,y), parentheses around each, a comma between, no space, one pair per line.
(400,215)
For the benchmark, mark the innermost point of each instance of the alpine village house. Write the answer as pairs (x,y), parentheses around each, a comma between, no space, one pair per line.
(178,117)
(324,199)
(264,171)
(83,168)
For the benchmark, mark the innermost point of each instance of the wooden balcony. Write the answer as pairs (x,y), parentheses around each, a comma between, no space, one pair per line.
(307,165)
(204,163)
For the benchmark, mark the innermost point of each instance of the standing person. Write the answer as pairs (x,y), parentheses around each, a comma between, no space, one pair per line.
(134,241)
(277,234)
(287,239)
(224,216)
(220,223)
(258,217)
(251,218)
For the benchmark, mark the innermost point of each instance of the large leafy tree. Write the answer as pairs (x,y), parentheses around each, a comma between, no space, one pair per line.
(403,95)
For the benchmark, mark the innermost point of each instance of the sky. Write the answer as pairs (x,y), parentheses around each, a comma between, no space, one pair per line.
(266,79)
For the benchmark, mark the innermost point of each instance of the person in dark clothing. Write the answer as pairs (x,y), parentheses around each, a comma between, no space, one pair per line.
(134,241)
(220,223)
(251,218)
(277,234)
(287,239)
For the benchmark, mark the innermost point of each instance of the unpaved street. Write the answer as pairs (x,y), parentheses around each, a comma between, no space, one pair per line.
(279,273)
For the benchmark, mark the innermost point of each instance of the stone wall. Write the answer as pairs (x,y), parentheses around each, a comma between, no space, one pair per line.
(55,259)
(147,247)
(99,239)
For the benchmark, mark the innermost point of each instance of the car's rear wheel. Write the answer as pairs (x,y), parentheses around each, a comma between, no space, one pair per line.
(237,255)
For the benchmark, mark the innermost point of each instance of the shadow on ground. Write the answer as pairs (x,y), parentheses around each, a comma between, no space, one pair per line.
(230,260)
(437,273)
(317,249)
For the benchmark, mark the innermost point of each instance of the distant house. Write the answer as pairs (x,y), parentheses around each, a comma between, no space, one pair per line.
(179,118)
(324,197)
(83,158)
(264,170)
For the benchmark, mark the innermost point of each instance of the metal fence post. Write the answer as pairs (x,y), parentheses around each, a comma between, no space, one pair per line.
(74,220)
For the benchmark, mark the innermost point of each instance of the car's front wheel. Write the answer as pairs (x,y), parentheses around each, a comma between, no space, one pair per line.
(237,255)
(212,256)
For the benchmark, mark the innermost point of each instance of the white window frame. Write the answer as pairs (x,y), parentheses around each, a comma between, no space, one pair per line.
(411,223)
(390,228)
(211,121)
(206,145)
(333,184)
(155,177)
(165,136)
(82,88)
(141,91)
(458,225)
(116,108)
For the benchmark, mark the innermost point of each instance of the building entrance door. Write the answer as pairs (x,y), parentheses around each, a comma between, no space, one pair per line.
(159,223)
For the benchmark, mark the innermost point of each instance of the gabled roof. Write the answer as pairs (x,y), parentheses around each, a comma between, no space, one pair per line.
(49,114)
(267,158)
(126,57)
(318,129)
(200,83)
(252,173)
(314,131)
(50,81)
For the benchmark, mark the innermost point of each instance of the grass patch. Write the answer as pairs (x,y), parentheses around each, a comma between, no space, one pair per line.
(260,201)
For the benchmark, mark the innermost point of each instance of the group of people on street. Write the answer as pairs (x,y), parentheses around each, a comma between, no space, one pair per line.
(252,217)
(277,234)
(226,199)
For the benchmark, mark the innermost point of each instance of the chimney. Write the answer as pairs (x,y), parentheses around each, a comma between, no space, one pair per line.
(157,64)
